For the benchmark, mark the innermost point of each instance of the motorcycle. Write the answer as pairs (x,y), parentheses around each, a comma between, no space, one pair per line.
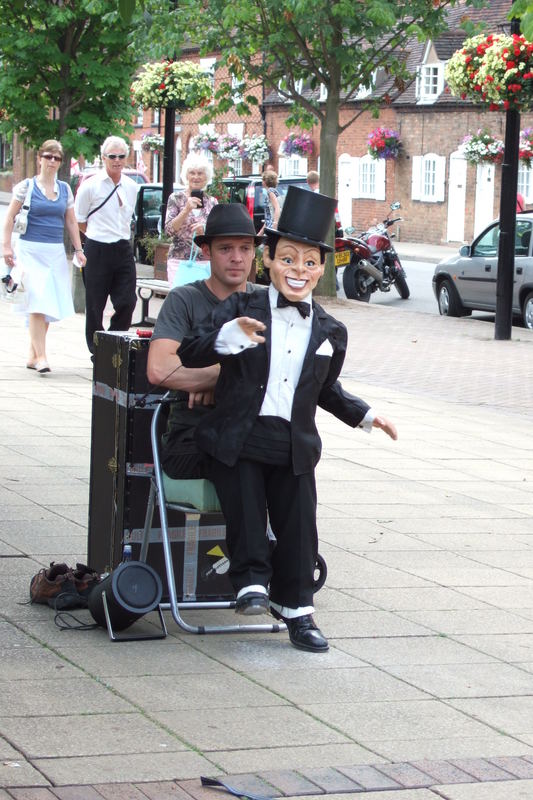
(371,261)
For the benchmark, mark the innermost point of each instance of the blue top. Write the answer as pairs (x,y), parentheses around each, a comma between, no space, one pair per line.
(46,220)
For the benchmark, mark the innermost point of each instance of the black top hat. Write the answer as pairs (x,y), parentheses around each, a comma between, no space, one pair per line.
(228,220)
(306,217)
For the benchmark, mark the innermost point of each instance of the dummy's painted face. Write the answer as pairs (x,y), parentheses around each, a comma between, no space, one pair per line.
(295,269)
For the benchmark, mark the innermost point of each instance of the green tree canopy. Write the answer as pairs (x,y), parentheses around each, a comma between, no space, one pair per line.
(66,71)
(338,44)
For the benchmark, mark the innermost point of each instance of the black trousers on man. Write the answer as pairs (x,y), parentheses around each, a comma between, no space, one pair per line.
(263,481)
(109,272)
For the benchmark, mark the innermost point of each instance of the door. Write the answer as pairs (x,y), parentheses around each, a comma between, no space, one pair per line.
(456,198)
(484,209)
(345,190)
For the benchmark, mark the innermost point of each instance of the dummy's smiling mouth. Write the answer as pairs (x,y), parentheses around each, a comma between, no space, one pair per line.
(296,284)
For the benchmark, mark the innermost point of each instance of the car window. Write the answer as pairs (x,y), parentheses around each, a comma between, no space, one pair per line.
(152,201)
(487,244)
(522,237)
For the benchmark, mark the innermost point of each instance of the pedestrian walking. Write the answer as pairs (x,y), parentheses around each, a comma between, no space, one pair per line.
(104,208)
(39,253)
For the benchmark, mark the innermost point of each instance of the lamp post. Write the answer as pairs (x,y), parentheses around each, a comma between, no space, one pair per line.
(168,159)
(504,285)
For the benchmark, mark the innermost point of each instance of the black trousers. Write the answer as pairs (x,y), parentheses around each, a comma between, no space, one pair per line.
(246,491)
(109,272)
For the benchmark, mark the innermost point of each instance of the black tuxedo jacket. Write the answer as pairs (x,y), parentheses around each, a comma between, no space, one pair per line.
(243,379)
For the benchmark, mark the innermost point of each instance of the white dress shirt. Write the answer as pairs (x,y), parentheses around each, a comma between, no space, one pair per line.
(288,345)
(113,221)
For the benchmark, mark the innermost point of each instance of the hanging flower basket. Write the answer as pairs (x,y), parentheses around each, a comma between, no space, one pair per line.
(255,148)
(482,148)
(384,143)
(296,144)
(206,142)
(152,143)
(525,147)
(496,70)
(171,84)
(229,147)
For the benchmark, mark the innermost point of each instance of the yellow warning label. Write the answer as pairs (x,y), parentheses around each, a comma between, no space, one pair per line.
(216,551)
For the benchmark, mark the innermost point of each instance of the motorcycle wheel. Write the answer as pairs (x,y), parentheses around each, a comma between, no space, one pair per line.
(354,286)
(400,284)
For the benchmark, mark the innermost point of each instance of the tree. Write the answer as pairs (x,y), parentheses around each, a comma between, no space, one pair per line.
(523,10)
(66,72)
(338,44)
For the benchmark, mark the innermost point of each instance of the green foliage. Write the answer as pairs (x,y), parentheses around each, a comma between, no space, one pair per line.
(66,71)
(523,10)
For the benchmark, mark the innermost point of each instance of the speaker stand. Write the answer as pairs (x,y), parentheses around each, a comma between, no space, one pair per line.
(128,637)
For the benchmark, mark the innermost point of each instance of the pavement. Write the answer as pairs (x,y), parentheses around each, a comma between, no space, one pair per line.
(427,689)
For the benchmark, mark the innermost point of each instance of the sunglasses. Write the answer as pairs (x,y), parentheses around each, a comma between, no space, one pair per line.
(50,157)
(112,156)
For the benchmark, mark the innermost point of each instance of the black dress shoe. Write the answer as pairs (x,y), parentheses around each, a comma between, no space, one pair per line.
(252,603)
(303,632)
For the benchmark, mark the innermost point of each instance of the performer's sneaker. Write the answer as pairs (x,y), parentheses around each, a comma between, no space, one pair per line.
(251,604)
(303,632)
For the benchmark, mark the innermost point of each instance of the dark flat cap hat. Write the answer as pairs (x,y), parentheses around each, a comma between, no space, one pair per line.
(228,220)
(306,217)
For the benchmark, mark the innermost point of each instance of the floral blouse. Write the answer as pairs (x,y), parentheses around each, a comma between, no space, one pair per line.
(182,240)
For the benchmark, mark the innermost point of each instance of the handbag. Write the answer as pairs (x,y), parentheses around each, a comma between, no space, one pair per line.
(21,220)
(190,269)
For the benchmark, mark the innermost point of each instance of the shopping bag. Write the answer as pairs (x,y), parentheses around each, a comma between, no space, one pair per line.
(190,269)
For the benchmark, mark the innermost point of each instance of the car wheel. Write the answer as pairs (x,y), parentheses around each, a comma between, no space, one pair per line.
(527,313)
(448,299)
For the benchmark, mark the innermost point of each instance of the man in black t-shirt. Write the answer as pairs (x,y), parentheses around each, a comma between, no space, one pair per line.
(231,238)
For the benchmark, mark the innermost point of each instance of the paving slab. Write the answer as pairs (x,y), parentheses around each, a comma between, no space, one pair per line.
(428,543)
(125,768)
(517,790)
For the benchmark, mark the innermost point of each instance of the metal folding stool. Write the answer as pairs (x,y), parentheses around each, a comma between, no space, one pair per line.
(187,490)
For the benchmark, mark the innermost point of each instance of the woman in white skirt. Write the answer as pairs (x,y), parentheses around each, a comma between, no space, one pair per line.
(40,253)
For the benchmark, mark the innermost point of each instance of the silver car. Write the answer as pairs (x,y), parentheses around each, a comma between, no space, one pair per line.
(467,282)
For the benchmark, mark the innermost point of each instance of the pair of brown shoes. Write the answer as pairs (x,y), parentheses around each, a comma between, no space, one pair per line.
(63,587)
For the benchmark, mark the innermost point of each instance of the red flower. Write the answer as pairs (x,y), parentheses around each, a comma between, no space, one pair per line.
(527,75)
(514,87)
(494,107)
(463,95)
(506,104)
(489,79)
(468,59)
(510,64)
(162,86)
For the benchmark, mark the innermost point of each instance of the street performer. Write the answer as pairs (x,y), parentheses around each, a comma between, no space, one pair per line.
(280,356)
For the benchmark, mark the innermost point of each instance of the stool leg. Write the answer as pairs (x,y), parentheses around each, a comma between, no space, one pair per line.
(148,522)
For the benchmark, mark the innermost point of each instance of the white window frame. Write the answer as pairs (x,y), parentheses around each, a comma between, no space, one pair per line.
(368,177)
(156,116)
(525,183)
(292,165)
(207,65)
(323,93)
(428,178)
(429,82)
(236,85)
(139,121)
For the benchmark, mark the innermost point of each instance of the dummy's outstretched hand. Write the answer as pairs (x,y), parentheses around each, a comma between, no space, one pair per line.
(385,425)
(251,328)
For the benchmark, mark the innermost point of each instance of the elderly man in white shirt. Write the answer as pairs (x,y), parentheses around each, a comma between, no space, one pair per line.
(104,206)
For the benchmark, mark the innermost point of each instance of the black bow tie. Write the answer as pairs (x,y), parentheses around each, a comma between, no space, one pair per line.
(304,308)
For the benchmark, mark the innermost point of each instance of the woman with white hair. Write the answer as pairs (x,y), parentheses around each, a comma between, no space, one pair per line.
(187,211)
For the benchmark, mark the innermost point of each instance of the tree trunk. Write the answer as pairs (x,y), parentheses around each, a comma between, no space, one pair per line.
(329,134)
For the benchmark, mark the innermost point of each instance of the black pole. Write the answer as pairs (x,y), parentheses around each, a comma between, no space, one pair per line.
(168,160)
(504,286)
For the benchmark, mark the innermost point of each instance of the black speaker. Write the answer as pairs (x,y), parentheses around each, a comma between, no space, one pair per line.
(131,590)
